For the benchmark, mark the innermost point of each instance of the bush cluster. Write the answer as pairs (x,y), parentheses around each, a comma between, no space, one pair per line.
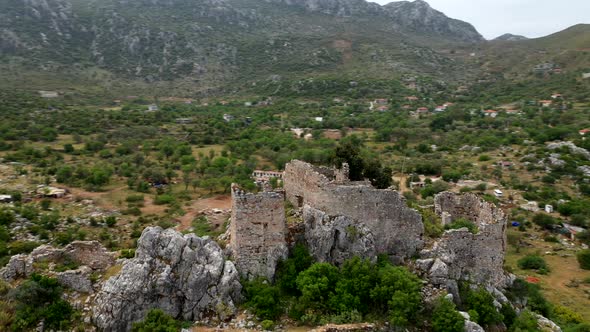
(321,292)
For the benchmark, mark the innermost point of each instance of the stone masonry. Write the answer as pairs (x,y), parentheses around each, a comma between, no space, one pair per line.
(396,229)
(461,255)
(257,232)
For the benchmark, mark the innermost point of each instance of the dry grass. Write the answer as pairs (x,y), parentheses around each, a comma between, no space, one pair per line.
(557,284)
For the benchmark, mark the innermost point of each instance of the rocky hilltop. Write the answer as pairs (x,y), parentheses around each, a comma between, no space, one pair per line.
(510,37)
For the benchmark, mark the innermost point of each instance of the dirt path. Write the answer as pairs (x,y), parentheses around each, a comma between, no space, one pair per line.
(221,202)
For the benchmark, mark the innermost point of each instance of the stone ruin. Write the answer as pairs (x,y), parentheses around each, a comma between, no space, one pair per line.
(89,256)
(257,230)
(460,255)
(344,218)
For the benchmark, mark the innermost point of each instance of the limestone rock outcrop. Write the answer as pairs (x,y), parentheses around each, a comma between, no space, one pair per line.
(461,255)
(89,255)
(336,238)
(185,276)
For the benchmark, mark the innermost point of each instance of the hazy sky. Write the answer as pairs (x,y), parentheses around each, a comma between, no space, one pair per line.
(530,18)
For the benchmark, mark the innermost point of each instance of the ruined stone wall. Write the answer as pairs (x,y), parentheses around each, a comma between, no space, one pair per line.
(461,255)
(258,229)
(303,181)
(396,228)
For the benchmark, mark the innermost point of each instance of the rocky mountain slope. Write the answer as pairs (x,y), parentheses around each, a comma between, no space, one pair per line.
(209,43)
(565,50)
(510,37)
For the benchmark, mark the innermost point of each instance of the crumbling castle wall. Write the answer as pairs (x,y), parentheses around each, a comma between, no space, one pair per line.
(258,229)
(303,181)
(397,229)
(461,255)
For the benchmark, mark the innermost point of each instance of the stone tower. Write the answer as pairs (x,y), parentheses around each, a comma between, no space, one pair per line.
(257,229)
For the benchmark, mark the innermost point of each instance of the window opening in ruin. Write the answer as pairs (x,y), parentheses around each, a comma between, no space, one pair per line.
(299,201)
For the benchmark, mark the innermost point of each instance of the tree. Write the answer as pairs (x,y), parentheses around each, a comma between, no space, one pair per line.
(39,298)
(584,259)
(348,151)
(316,285)
(263,298)
(186,176)
(398,290)
(483,303)
(446,318)
(68,148)
(353,289)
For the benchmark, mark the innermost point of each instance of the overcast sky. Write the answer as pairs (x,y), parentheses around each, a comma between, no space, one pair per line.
(530,18)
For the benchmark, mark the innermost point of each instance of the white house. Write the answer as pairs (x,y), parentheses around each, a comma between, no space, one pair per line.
(549,208)
(319,119)
(498,193)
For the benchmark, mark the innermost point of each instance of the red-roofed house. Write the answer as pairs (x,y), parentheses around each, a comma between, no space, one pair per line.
(411,98)
(490,113)
(422,110)
(383,108)
(584,131)
(545,103)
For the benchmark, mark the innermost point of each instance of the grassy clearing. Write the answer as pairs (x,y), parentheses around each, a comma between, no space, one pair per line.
(557,285)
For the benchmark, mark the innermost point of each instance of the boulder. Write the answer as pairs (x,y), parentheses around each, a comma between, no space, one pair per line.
(546,324)
(335,239)
(184,275)
(89,253)
(77,280)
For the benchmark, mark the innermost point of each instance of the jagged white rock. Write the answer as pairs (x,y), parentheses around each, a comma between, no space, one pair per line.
(185,276)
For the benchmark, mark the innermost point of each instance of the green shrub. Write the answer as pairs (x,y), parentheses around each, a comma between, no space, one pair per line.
(267,325)
(584,259)
(525,322)
(134,198)
(289,269)
(551,238)
(164,199)
(544,220)
(445,318)
(263,299)
(483,303)
(532,262)
(127,253)
(22,247)
(400,290)
(317,284)
(462,222)
(39,298)
(583,327)
(509,314)
(157,321)
(66,265)
(110,221)
(352,292)
(6,216)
